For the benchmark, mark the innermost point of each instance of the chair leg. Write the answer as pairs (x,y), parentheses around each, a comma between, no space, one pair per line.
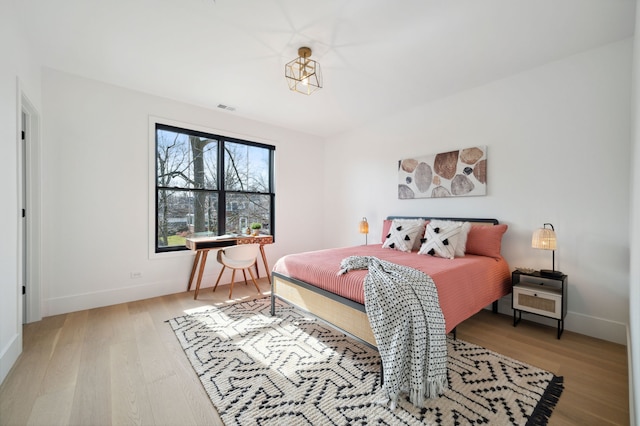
(233,278)
(245,277)
(219,276)
(254,280)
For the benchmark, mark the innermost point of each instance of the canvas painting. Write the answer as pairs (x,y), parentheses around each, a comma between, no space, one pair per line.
(447,174)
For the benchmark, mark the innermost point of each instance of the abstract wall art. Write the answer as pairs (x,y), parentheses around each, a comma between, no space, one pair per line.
(448,174)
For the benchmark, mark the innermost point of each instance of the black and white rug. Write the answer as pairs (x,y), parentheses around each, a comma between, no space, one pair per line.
(293,369)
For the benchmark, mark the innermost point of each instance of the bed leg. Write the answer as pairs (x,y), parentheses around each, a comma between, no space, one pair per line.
(273,303)
(455,329)
(495,307)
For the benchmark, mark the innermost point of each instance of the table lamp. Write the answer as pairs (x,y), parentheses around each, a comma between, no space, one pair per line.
(364,229)
(545,238)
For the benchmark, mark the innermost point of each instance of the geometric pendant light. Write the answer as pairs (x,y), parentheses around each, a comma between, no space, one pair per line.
(303,74)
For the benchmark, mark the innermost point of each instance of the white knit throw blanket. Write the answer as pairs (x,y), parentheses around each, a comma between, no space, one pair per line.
(408,325)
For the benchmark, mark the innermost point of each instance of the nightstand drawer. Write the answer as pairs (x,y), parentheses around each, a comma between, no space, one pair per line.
(537,300)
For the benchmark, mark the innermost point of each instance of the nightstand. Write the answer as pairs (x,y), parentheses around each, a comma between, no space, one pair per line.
(540,295)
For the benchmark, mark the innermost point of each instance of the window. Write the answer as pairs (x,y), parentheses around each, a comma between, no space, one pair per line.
(208,183)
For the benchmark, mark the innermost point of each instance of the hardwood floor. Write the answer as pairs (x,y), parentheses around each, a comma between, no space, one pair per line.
(123,365)
(595,371)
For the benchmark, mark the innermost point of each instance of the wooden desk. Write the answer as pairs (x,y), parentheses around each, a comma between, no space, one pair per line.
(202,245)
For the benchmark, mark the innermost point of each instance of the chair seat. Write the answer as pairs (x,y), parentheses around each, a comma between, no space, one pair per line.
(236,263)
(240,257)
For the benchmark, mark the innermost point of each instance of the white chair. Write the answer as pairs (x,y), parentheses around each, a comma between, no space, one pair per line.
(242,257)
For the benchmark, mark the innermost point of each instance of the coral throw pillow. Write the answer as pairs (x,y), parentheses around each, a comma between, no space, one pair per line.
(485,240)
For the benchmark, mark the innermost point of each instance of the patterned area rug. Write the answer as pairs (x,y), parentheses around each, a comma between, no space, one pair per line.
(293,369)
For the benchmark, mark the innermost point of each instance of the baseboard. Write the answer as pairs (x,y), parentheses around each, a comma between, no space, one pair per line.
(600,328)
(9,356)
(97,299)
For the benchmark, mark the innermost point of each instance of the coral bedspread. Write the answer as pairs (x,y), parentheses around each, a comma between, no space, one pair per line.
(465,284)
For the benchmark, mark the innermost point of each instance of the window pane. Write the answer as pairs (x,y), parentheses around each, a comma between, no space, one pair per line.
(185,161)
(181,213)
(245,209)
(190,168)
(246,168)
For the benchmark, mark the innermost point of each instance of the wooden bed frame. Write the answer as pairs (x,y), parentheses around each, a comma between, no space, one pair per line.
(340,312)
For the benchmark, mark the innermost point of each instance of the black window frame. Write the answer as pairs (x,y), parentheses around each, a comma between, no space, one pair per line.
(221,191)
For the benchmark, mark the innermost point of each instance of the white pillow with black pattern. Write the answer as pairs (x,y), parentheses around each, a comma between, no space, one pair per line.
(440,241)
(461,240)
(403,233)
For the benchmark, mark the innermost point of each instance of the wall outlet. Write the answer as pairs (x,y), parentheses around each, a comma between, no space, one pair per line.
(135,275)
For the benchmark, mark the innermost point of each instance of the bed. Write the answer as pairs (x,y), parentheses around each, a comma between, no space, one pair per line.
(465,284)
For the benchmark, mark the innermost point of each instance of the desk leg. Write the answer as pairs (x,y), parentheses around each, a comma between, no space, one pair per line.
(264,261)
(193,269)
(203,262)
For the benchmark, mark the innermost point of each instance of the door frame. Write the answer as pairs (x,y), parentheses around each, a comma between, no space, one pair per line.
(33,205)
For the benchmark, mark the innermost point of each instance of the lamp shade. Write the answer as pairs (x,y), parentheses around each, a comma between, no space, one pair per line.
(364,226)
(544,238)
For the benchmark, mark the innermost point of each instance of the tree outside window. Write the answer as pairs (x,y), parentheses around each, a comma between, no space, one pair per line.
(210,185)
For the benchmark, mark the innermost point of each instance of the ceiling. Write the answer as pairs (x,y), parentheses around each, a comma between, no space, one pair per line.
(377,57)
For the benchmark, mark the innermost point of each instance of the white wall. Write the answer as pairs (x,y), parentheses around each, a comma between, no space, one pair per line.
(17,71)
(558,140)
(97,186)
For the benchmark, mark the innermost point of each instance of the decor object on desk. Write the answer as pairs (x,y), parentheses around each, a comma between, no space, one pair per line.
(303,74)
(256,227)
(447,174)
(545,239)
(296,361)
(364,229)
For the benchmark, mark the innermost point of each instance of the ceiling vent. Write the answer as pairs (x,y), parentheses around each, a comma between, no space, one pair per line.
(226,107)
